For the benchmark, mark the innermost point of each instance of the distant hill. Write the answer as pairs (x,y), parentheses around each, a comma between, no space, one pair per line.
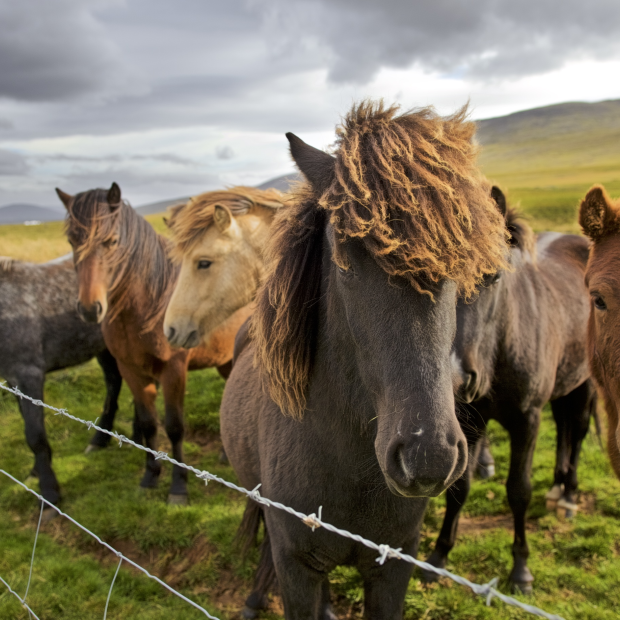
(160,206)
(548,157)
(20,212)
(282,183)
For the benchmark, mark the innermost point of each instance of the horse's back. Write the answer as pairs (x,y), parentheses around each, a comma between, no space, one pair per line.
(570,249)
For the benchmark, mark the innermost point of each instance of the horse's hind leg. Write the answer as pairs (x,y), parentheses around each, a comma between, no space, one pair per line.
(485,467)
(577,407)
(264,580)
(113,384)
(30,381)
(523,431)
(144,393)
(560,409)
(173,379)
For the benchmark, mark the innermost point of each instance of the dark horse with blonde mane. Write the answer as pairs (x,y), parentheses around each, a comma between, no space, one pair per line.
(125,280)
(599,217)
(352,338)
(520,344)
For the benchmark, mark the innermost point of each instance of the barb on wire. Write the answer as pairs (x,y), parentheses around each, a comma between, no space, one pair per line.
(110,548)
(21,600)
(488,590)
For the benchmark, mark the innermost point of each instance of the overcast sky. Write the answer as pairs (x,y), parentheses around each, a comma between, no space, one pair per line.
(173,98)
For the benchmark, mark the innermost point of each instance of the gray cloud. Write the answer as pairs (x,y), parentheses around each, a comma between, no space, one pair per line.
(56,50)
(487,41)
(12,164)
(224,152)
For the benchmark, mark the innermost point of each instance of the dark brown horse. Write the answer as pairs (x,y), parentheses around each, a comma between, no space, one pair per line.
(520,344)
(352,338)
(41,331)
(599,217)
(125,281)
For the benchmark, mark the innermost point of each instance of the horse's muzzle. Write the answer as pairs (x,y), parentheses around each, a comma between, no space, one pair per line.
(182,339)
(94,314)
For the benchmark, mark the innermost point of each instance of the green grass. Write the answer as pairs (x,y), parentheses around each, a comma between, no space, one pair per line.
(576,564)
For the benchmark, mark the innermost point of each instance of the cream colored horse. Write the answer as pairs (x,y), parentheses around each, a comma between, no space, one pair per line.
(218,239)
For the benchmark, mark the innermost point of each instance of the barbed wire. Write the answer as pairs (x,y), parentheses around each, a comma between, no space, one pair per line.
(20,599)
(487,590)
(109,547)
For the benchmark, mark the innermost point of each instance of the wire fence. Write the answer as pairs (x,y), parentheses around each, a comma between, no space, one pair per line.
(314,520)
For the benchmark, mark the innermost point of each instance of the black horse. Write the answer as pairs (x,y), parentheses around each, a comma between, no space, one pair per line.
(41,331)
(352,333)
(520,344)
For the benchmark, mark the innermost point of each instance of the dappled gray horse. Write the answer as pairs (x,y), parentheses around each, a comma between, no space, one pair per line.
(41,331)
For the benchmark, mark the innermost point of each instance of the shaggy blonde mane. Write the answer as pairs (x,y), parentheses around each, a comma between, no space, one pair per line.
(188,222)
(408,188)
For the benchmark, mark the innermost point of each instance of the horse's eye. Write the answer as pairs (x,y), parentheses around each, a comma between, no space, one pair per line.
(599,302)
(204,264)
(491,278)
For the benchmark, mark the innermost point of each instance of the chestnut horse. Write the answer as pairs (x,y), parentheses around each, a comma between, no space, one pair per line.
(599,217)
(521,343)
(342,397)
(125,280)
(218,240)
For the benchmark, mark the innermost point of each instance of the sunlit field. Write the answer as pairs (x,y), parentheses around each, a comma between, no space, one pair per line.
(576,564)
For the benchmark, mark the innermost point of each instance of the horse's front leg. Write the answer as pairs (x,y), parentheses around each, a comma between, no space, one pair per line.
(523,432)
(385,586)
(144,393)
(173,379)
(113,384)
(30,381)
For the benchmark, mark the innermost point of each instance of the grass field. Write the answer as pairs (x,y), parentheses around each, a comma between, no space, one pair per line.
(546,168)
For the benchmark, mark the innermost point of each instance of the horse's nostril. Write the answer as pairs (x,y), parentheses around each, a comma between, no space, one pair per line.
(170,333)
(98,308)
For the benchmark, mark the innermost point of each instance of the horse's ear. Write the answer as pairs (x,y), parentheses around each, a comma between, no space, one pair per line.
(114,197)
(317,166)
(596,213)
(64,197)
(500,199)
(222,217)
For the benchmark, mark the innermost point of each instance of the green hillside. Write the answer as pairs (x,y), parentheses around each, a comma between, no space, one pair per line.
(547,158)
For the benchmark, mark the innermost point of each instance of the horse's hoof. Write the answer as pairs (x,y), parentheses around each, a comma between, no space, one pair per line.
(484,472)
(91,447)
(429,576)
(49,514)
(248,613)
(553,496)
(522,587)
(566,509)
(177,500)
(328,613)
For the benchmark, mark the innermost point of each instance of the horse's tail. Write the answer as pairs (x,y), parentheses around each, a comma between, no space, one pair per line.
(594,414)
(265,575)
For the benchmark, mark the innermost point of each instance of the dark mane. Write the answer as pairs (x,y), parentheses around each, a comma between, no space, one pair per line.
(407,187)
(139,260)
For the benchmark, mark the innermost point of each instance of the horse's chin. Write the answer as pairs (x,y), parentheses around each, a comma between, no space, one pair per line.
(417,489)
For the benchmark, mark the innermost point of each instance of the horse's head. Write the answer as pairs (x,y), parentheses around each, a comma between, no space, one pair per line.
(599,217)
(353,278)
(91,228)
(479,320)
(219,239)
